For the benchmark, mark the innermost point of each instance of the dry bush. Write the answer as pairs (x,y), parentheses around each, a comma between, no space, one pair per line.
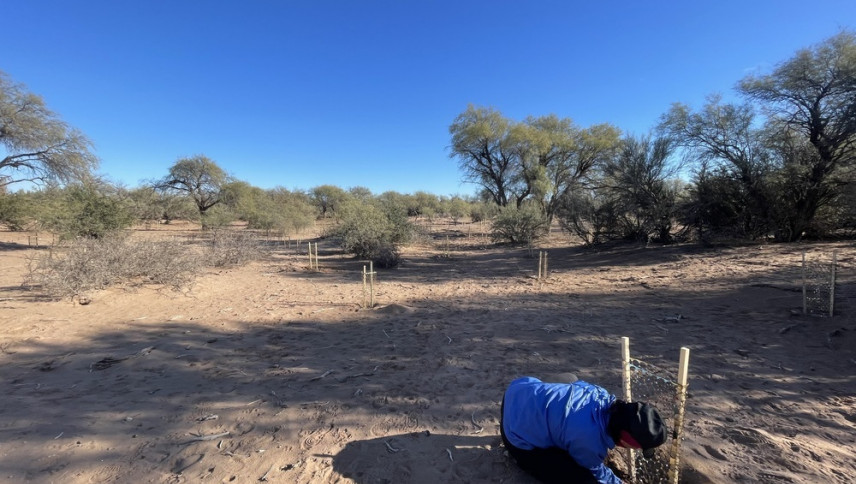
(88,264)
(229,248)
(92,264)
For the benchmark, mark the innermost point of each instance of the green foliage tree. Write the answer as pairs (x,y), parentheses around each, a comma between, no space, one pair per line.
(424,204)
(82,210)
(457,208)
(198,177)
(35,144)
(328,198)
(731,153)
(393,200)
(144,204)
(557,156)
(811,102)
(542,158)
(16,210)
(480,210)
(641,183)
(246,201)
(298,211)
(521,225)
(360,193)
(218,217)
(273,210)
(372,230)
(590,215)
(480,142)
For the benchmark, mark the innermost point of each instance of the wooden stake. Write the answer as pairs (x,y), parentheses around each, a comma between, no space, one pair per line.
(628,397)
(832,284)
(371,283)
(683,372)
(545,264)
(542,264)
(805,305)
(364,286)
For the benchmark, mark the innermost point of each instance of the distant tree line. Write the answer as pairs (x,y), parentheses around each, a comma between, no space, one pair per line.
(778,165)
(781,164)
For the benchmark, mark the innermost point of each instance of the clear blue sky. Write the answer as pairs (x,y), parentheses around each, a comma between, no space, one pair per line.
(361,93)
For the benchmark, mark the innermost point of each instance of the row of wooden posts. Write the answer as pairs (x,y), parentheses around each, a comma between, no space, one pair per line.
(369,274)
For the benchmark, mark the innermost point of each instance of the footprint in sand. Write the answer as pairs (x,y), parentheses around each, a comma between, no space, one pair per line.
(715,453)
(748,436)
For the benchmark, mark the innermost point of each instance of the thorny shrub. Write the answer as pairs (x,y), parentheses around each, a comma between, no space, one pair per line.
(89,264)
(92,264)
(230,248)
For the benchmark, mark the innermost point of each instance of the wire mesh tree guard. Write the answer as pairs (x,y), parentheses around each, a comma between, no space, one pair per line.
(653,385)
(818,285)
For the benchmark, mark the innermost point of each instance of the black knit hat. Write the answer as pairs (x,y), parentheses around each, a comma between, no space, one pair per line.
(642,421)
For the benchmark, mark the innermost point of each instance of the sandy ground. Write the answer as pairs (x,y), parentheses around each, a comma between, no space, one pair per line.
(272,372)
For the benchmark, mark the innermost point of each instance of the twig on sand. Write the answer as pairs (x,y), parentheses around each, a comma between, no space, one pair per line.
(143,352)
(447,337)
(109,361)
(390,448)
(348,377)
(479,428)
(450,455)
(263,478)
(322,376)
(202,438)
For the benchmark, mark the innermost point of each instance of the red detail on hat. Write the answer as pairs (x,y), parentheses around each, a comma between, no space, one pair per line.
(629,441)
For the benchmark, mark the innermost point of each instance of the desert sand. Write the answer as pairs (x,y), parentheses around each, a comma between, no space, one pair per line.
(272,372)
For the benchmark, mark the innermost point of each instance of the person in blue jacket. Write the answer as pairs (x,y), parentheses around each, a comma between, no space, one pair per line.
(561,432)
